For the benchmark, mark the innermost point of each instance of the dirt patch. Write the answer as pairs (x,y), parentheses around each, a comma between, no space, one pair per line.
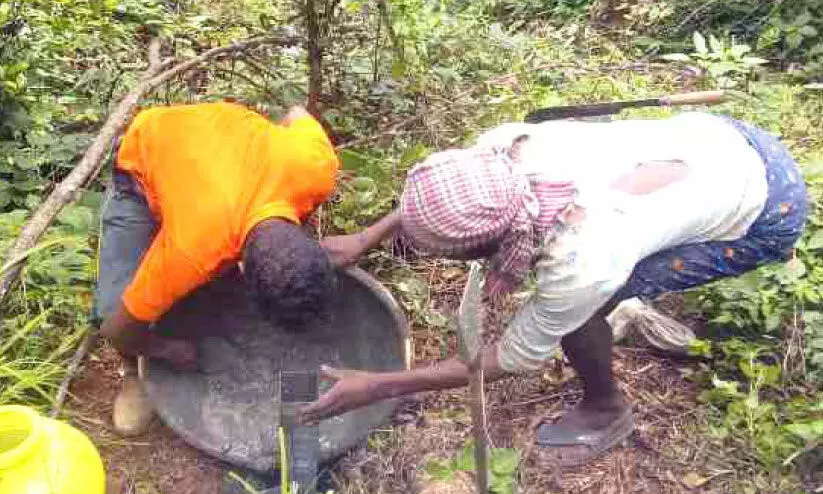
(655,459)
(664,455)
(662,452)
(158,462)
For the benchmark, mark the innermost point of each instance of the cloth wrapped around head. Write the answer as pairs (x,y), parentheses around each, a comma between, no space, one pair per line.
(472,202)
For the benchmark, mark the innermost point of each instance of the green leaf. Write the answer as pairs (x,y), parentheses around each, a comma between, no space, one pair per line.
(808,31)
(815,242)
(772,322)
(353,160)
(802,19)
(715,44)
(814,168)
(439,470)
(676,57)
(808,431)
(413,155)
(792,271)
(728,388)
(501,485)
(398,69)
(700,348)
(79,219)
(465,461)
(813,318)
(723,318)
(740,50)
(699,43)
(504,461)
(754,61)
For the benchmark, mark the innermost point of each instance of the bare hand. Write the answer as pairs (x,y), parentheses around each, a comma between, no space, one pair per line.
(181,354)
(352,389)
(344,250)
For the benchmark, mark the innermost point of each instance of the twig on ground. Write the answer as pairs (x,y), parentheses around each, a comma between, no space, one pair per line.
(77,360)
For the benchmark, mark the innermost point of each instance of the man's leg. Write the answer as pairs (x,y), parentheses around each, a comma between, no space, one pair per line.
(603,417)
(127,229)
(589,350)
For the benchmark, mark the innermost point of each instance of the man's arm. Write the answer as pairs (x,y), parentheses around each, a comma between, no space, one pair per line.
(355,389)
(132,337)
(346,249)
(120,329)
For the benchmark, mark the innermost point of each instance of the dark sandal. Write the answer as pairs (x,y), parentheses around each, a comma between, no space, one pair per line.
(558,437)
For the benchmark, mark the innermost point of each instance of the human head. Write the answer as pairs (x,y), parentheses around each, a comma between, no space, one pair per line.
(469,203)
(287,273)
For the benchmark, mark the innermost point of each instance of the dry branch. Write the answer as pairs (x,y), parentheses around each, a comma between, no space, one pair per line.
(386,19)
(74,364)
(470,334)
(315,55)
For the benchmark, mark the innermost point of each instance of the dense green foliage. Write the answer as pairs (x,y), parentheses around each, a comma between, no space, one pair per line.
(397,85)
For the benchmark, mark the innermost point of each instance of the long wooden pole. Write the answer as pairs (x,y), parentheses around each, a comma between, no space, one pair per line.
(470,323)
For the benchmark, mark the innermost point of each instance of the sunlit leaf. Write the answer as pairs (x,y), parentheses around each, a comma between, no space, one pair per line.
(676,57)
(808,431)
(699,43)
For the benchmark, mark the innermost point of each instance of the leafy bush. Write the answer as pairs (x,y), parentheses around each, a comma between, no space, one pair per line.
(44,321)
(745,390)
(727,66)
(503,465)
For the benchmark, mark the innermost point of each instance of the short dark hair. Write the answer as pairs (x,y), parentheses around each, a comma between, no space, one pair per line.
(288,274)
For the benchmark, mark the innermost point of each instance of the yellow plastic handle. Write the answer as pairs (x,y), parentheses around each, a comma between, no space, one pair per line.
(697,98)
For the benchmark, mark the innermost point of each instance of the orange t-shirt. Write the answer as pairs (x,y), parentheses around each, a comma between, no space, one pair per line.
(210,173)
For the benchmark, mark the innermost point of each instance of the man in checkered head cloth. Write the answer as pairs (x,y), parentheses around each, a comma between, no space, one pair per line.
(472,204)
(600,213)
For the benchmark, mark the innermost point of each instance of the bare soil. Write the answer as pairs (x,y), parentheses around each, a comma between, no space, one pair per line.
(663,456)
(158,462)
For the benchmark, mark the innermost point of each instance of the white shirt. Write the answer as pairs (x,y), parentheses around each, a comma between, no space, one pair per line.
(721,195)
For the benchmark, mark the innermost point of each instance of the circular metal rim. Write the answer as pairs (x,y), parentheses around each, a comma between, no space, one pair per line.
(401,328)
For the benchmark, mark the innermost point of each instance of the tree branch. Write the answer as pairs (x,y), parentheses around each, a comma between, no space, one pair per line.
(79,355)
(315,53)
(385,17)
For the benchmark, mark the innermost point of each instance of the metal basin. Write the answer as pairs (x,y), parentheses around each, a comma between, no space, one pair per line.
(230,408)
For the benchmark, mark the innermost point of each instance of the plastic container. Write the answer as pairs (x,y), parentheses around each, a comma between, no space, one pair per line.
(39,455)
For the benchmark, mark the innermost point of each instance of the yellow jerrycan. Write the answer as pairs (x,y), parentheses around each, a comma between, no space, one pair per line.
(39,455)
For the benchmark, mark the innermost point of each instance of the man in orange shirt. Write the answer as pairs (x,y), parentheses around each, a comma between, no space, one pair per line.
(197,188)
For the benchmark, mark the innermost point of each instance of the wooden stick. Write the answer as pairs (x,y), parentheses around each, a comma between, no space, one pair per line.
(470,322)
(315,55)
(477,406)
(78,358)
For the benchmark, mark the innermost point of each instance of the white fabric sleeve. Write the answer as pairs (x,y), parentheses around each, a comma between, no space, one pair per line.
(577,273)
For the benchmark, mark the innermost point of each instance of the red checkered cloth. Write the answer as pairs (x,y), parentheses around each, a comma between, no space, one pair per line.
(464,201)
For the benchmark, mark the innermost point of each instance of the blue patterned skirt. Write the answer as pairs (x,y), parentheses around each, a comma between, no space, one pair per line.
(770,238)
